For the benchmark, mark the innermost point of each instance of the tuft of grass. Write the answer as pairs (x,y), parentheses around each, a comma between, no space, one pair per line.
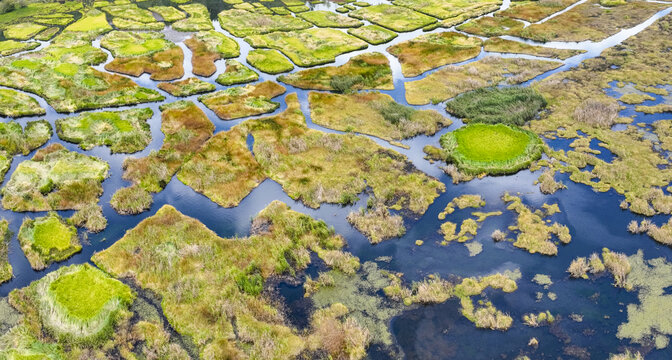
(328,19)
(16,104)
(5,267)
(397,18)
(511,105)
(131,200)
(377,224)
(198,19)
(241,23)
(90,217)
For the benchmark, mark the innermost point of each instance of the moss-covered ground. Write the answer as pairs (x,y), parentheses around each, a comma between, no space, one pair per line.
(491,149)
(48,239)
(187,87)
(208,47)
(144,52)
(309,47)
(169,243)
(125,131)
(451,12)
(168,13)
(462,202)
(236,73)
(397,18)
(492,26)
(22,31)
(373,34)
(243,23)
(6,272)
(361,72)
(430,51)
(269,61)
(198,18)
(16,104)
(515,47)
(11,47)
(490,71)
(55,179)
(373,113)
(186,128)
(328,19)
(14,140)
(243,101)
(509,105)
(533,11)
(377,223)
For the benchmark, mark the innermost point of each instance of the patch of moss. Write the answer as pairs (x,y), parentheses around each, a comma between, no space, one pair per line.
(430,51)
(236,73)
(168,13)
(198,20)
(243,101)
(241,23)
(373,113)
(361,72)
(93,24)
(187,87)
(144,52)
(328,19)
(127,24)
(55,179)
(125,131)
(11,47)
(22,31)
(90,217)
(490,71)
(208,47)
(309,47)
(5,267)
(516,47)
(15,104)
(373,34)
(534,11)
(269,61)
(397,18)
(462,202)
(48,239)
(492,26)
(451,12)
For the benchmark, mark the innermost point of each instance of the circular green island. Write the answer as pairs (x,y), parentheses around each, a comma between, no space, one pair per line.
(491,149)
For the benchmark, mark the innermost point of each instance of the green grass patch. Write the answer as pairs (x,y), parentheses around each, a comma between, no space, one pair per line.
(94,22)
(492,26)
(168,13)
(373,34)
(451,12)
(516,47)
(243,101)
(207,47)
(187,87)
(5,267)
(131,12)
(510,105)
(22,31)
(269,61)
(16,104)
(241,23)
(328,19)
(125,131)
(491,149)
(198,20)
(16,140)
(144,52)
(397,18)
(48,239)
(236,73)
(11,47)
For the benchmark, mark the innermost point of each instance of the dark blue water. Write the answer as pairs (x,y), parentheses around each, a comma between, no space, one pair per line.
(422,332)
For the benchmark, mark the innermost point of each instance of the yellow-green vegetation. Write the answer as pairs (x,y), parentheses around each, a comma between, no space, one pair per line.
(436,290)
(376,223)
(397,18)
(131,17)
(207,47)
(144,52)
(54,19)
(627,355)
(187,87)
(28,10)
(11,47)
(534,234)
(5,266)
(55,179)
(339,333)
(462,202)
(451,12)
(492,26)
(90,217)
(635,98)
(198,20)
(22,31)
(655,109)
(93,24)
(373,34)
(16,104)
(373,113)
(430,51)
(243,101)
(577,102)
(510,105)
(309,47)
(589,21)
(318,167)
(236,73)
(62,76)
(648,322)
(540,319)
(516,47)
(78,304)
(241,23)
(269,61)
(127,24)
(361,72)
(617,264)
(48,239)
(186,128)
(491,149)
(168,13)
(490,71)
(328,19)
(125,131)
(223,169)
(533,11)
(163,254)
(468,229)
(15,140)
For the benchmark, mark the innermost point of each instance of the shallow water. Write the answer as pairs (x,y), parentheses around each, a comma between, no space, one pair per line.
(428,332)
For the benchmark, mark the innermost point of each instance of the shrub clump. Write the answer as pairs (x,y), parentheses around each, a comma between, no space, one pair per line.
(510,105)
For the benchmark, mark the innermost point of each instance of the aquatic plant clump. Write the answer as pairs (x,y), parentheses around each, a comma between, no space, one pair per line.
(198,19)
(5,267)
(55,179)
(77,304)
(373,113)
(144,52)
(491,149)
(169,243)
(208,47)
(242,101)
(48,239)
(377,223)
(397,18)
(269,61)
(509,105)
(125,131)
(236,73)
(430,51)
(361,72)
(309,47)
(187,87)
(490,26)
